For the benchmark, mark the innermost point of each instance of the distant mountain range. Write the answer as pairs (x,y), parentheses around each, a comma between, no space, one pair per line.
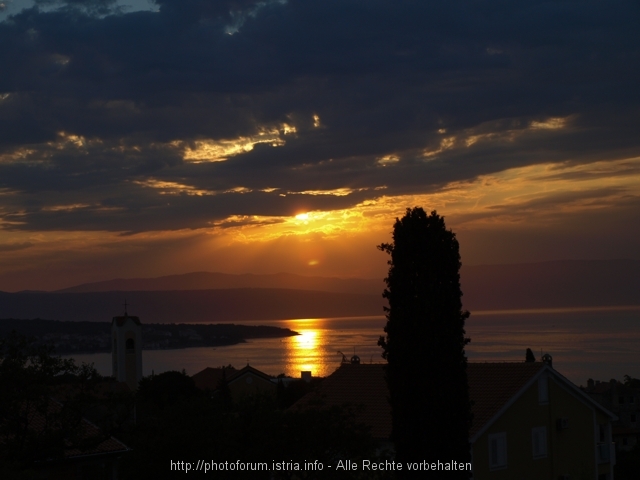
(567,283)
(564,283)
(215,280)
(218,297)
(190,306)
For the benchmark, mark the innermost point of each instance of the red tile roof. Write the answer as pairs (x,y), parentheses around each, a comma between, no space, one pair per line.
(209,378)
(491,386)
(356,385)
(90,434)
(248,369)
(107,446)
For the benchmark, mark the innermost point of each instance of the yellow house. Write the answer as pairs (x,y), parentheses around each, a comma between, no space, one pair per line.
(529,422)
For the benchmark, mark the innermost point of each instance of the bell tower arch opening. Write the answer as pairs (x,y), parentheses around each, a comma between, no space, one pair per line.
(126,354)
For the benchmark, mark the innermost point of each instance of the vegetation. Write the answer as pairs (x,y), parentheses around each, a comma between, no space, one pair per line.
(631,382)
(173,420)
(529,356)
(424,342)
(43,400)
(627,464)
(177,421)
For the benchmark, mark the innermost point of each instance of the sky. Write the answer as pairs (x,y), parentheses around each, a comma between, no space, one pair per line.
(142,138)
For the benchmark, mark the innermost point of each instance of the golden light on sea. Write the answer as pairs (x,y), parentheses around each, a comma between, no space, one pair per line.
(304,351)
(307,340)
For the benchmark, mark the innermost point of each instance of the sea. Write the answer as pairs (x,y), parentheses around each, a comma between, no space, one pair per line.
(599,343)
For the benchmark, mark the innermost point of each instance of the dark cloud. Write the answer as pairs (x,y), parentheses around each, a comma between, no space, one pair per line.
(452,89)
(12,247)
(94,7)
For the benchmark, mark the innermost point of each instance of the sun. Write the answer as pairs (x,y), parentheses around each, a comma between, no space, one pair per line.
(302,216)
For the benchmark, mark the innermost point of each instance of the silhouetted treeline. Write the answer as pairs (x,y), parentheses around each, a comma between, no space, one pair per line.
(45,402)
(168,419)
(176,421)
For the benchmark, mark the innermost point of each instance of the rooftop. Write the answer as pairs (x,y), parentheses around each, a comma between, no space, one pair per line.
(91,437)
(491,386)
(209,378)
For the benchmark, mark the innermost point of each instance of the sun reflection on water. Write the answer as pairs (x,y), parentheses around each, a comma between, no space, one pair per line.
(306,352)
(307,340)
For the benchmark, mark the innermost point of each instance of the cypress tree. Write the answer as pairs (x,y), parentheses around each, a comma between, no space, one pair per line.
(529,356)
(424,343)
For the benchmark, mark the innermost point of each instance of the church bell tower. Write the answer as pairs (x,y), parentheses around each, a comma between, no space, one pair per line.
(126,349)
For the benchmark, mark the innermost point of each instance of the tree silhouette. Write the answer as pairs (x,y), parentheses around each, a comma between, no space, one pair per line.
(631,382)
(43,400)
(424,342)
(530,357)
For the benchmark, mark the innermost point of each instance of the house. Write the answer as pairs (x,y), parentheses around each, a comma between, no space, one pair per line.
(97,461)
(529,422)
(91,455)
(624,401)
(210,378)
(246,381)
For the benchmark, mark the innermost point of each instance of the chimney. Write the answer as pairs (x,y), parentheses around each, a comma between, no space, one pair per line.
(590,383)
(547,359)
(306,376)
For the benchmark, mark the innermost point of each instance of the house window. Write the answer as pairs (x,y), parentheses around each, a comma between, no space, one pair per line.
(625,441)
(633,418)
(543,390)
(621,400)
(130,345)
(539,441)
(498,451)
(632,399)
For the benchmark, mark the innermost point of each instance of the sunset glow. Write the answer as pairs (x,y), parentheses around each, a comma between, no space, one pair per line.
(240,211)
(509,200)
(239,157)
